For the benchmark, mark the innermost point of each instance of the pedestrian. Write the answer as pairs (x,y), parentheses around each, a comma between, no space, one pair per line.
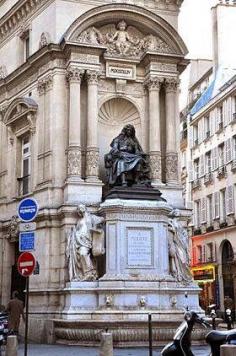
(15,308)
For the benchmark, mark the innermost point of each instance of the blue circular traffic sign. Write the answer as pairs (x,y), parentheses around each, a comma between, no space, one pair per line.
(28,209)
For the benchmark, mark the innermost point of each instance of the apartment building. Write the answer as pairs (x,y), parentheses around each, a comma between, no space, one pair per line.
(209,165)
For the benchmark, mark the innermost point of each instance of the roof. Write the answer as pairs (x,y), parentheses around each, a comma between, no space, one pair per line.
(223,75)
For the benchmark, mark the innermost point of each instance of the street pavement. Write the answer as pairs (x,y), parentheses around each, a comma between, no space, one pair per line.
(58,350)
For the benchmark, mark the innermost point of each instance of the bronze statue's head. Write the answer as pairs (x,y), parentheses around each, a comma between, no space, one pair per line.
(128,130)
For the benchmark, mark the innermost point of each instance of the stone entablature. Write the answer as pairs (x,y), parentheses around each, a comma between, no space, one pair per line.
(22,10)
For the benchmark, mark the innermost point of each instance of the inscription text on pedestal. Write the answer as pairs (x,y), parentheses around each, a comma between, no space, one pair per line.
(139,247)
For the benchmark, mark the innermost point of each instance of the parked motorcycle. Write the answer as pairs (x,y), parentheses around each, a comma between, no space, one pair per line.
(181,344)
(3,329)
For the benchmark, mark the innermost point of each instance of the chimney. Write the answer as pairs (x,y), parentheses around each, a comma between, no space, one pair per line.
(224,28)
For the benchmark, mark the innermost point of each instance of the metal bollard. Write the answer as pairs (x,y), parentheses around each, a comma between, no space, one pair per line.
(12,345)
(228,350)
(106,347)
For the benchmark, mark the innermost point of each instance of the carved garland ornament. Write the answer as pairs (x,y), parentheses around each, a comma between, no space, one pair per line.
(155,164)
(74,162)
(92,163)
(172,167)
(123,40)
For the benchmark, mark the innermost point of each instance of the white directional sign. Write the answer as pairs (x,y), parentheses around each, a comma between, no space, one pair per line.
(30,226)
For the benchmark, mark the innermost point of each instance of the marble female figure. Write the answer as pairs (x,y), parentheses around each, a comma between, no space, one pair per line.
(85,242)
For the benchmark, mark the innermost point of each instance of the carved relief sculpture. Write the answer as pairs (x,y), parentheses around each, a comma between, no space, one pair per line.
(13,230)
(85,242)
(74,162)
(122,40)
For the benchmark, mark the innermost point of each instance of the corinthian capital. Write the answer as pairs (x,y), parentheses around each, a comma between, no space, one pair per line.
(171,84)
(92,76)
(74,74)
(154,83)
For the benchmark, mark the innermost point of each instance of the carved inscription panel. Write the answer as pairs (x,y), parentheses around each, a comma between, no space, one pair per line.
(139,247)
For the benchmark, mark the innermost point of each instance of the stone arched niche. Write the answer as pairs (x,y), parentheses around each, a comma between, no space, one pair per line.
(113,115)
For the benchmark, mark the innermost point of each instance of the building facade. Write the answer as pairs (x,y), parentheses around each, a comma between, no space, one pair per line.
(209,168)
(72,75)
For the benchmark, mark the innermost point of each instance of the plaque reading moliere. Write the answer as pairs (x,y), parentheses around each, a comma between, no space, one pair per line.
(139,252)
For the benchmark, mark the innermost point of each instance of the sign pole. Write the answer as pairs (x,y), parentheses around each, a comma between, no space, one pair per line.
(26,315)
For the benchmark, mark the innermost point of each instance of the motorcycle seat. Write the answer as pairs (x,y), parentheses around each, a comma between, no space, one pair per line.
(220,336)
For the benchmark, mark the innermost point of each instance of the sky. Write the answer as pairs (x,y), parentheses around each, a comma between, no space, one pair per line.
(195,30)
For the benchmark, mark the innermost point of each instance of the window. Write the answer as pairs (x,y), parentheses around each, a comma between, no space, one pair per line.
(216,205)
(199,253)
(197,213)
(234,147)
(207,126)
(222,205)
(27,46)
(196,168)
(221,155)
(25,166)
(208,162)
(220,113)
(195,134)
(210,252)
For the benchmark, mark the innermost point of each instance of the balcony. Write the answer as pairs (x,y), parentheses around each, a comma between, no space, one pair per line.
(220,127)
(196,184)
(233,165)
(222,172)
(208,178)
(210,228)
(223,224)
(197,232)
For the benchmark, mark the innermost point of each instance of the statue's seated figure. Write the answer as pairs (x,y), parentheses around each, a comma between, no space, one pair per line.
(126,163)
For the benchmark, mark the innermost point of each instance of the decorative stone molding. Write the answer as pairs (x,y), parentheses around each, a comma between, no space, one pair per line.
(45,84)
(23,31)
(74,74)
(154,83)
(18,14)
(118,111)
(171,84)
(92,76)
(13,230)
(172,167)
(122,40)
(155,165)
(74,161)
(3,72)
(92,162)
(22,111)
(44,39)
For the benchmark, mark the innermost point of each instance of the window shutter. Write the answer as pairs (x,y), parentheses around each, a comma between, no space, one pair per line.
(217,205)
(212,122)
(202,166)
(200,130)
(230,200)
(190,136)
(190,171)
(203,208)
(215,159)
(225,114)
(228,151)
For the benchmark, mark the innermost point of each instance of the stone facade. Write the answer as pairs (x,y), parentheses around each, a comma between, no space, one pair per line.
(72,73)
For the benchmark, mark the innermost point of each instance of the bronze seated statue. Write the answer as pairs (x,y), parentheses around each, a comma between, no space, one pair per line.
(126,163)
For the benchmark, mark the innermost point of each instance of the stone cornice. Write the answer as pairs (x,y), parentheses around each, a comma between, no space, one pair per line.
(17,14)
(35,62)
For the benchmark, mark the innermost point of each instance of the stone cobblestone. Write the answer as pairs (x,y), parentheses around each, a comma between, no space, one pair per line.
(58,350)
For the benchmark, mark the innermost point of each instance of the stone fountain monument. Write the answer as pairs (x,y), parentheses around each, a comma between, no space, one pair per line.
(147,259)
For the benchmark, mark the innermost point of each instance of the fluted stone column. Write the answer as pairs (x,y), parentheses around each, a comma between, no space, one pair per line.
(154,129)
(92,156)
(74,76)
(171,86)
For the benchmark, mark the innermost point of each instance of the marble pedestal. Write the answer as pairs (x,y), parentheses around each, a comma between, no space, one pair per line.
(137,279)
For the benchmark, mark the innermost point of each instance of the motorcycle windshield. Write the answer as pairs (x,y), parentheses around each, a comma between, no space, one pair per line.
(181,330)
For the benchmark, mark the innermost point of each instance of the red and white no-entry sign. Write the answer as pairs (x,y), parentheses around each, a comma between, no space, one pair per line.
(26,264)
